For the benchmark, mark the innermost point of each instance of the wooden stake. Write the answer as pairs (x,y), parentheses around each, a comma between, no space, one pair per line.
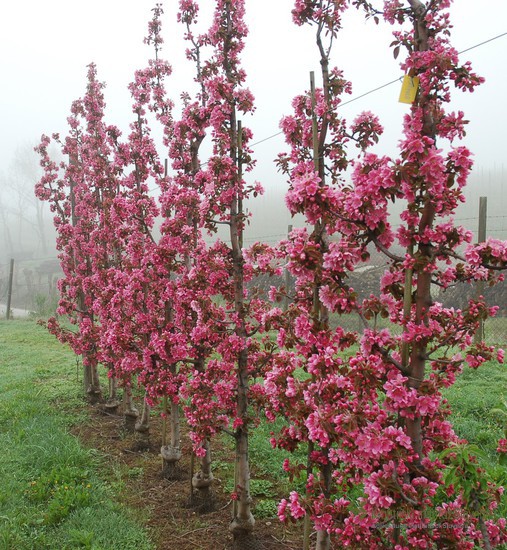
(9,290)
(287,279)
(240,175)
(481,237)
(164,421)
(407,308)
(315,129)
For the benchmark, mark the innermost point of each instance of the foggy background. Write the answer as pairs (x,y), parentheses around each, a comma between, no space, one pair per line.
(46,47)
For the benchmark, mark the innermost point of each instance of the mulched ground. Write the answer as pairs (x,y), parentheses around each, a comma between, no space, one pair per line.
(174,525)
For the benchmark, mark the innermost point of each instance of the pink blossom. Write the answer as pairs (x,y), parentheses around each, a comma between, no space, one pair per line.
(295,508)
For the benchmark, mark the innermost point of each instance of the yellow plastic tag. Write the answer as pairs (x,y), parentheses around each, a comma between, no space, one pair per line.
(409,89)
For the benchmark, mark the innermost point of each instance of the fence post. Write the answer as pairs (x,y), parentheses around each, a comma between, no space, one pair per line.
(481,237)
(286,299)
(9,290)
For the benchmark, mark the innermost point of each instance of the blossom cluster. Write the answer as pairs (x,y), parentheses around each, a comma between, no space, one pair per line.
(159,300)
(378,419)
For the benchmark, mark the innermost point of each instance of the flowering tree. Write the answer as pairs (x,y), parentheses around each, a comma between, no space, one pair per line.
(220,392)
(139,313)
(376,423)
(71,188)
(105,218)
(181,231)
(131,277)
(316,166)
(384,467)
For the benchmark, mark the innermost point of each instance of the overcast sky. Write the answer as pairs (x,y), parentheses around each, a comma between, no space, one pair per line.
(45,47)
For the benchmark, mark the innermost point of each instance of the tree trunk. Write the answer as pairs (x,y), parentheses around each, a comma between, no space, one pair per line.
(485,535)
(417,363)
(320,313)
(129,411)
(323,541)
(142,427)
(91,380)
(171,454)
(243,521)
(112,402)
(202,484)
(325,471)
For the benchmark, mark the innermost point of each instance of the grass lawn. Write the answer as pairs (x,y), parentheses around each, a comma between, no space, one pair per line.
(479,415)
(473,399)
(53,493)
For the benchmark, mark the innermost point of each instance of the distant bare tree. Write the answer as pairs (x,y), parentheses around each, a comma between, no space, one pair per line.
(6,246)
(21,214)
